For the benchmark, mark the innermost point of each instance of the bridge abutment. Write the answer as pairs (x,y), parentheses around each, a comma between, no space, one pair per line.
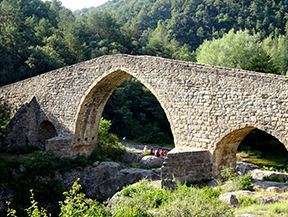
(186,165)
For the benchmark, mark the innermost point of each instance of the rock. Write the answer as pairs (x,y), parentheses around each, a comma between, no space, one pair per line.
(274,189)
(157,171)
(265,200)
(284,189)
(108,187)
(96,163)
(213,183)
(271,199)
(6,194)
(243,193)
(257,184)
(115,200)
(243,168)
(259,174)
(137,174)
(131,156)
(150,161)
(230,199)
(279,197)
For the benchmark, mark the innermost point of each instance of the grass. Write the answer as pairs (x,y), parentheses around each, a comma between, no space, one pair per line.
(276,209)
(275,160)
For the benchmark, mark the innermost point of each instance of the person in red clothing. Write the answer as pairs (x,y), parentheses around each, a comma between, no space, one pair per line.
(162,153)
(157,153)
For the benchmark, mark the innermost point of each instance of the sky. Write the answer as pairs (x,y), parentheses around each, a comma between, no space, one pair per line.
(79,4)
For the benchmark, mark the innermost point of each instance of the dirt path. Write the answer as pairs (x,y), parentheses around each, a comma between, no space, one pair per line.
(140,147)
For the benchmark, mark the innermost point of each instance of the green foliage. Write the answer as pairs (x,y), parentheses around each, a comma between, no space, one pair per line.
(5,116)
(136,114)
(143,196)
(235,181)
(76,204)
(273,179)
(236,50)
(108,143)
(245,201)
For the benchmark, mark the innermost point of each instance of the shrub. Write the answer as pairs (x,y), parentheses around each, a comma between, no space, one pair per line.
(143,197)
(75,204)
(108,143)
(273,179)
(245,201)
(237,182)
(5,116)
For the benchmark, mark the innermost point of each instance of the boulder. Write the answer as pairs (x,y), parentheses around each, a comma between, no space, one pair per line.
(131,156)
(6,194)
(274,189)
(150,161)
(258,185)
(243,168)
(115,200)
(259,174)
(109,187)
(265,200)
(243,193)
(230,199)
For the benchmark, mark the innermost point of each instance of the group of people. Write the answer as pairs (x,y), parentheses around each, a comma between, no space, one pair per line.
(157,152)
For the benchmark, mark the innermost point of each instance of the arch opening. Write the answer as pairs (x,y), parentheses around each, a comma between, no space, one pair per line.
(91,109)
(46,131)
(249,140)
(136,114)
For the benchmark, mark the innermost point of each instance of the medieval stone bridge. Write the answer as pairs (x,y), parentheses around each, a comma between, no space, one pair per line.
(210,109)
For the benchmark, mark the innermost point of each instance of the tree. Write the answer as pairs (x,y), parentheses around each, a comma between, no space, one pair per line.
(277,48)
(236,50)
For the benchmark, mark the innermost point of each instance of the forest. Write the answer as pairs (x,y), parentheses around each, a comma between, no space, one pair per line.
(37,36)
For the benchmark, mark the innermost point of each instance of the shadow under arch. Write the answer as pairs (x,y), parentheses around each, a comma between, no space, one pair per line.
(46,130)
(91,108)
(225,153)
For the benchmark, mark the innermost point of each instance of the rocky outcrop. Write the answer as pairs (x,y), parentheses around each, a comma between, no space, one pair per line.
(259,174)
(259,184)
(243,168)
(104,180)
(131,156)
(230,199)
(151,161)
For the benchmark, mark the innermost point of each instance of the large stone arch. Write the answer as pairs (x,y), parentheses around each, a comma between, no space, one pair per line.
(224,154)
(92,105)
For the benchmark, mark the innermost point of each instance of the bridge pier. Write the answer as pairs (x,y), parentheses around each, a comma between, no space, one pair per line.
(186,165)
(64,147)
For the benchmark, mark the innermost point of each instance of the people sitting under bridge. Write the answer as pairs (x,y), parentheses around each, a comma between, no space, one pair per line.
(157,152)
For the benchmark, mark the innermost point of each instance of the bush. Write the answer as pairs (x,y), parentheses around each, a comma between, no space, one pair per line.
(245,201)
(273,179)
(108,143)
(5,116)
(75,204)
(143,197)
(237,182)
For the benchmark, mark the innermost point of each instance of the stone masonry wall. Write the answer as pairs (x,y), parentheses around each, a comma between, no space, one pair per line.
(203,103)
(186,165)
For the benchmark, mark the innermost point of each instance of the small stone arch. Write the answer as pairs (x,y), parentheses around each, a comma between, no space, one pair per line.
(46,130)
(225,153)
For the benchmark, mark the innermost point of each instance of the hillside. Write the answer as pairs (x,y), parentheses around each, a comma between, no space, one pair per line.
(192,21)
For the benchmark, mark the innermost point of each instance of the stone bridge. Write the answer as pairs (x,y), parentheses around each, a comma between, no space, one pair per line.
(210,109)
